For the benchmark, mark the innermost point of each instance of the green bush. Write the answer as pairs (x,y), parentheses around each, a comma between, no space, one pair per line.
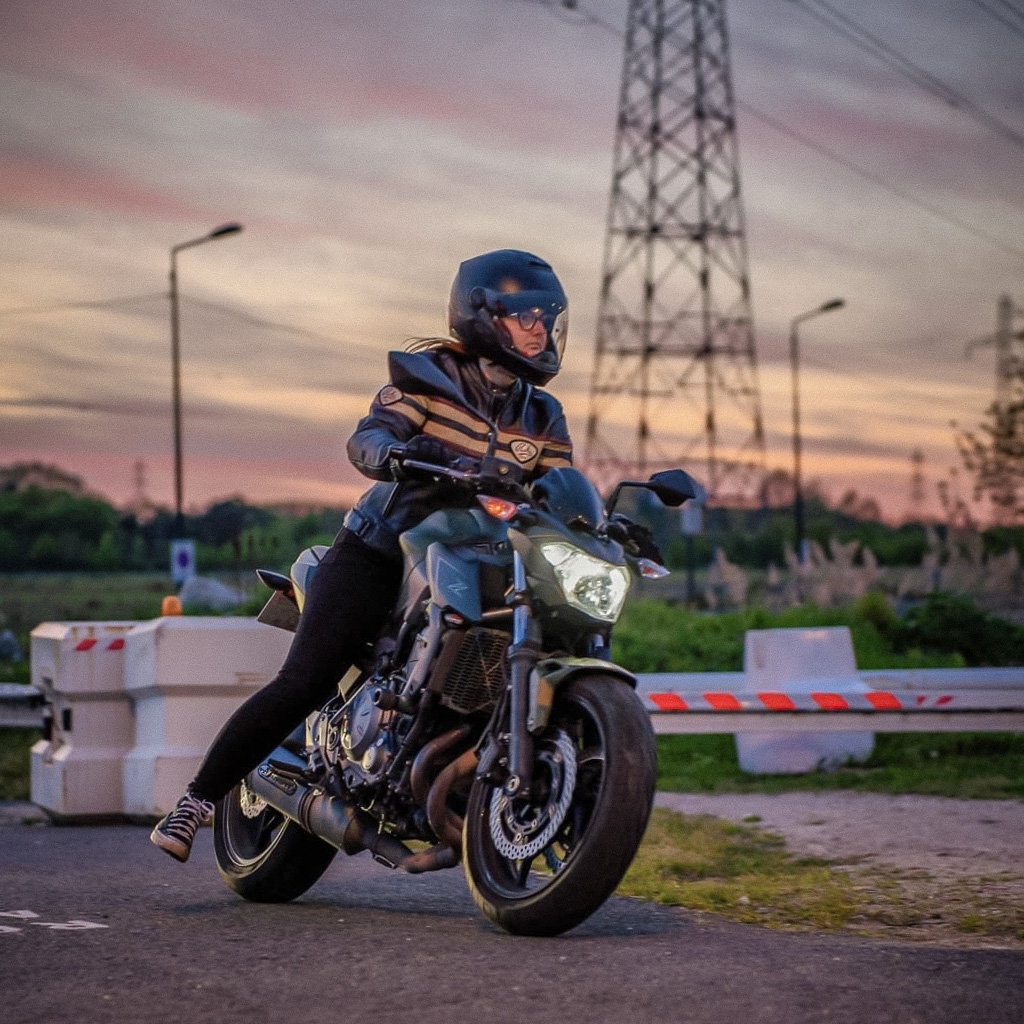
(946,632)
(953,622)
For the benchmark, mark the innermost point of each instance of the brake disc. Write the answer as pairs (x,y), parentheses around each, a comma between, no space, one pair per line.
(520,829)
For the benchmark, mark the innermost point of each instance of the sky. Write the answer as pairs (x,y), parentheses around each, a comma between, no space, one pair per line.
(368,148)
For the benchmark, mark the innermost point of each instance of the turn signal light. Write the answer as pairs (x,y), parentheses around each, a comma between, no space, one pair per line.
(500,508)
(651,570)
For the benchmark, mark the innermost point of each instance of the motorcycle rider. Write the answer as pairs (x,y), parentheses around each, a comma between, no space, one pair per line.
(508,320)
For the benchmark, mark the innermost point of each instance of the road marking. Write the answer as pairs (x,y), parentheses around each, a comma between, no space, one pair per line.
(69,926)
(74,925)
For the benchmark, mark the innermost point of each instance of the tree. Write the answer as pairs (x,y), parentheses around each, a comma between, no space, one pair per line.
(22,475)
(994,453)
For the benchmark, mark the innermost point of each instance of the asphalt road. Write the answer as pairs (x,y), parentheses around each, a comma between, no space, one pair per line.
(368,944)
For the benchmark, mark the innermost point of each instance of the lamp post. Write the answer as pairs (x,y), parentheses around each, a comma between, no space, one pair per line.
(794,359)
(219,232)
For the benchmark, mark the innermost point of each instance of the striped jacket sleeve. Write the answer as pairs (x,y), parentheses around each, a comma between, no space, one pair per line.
(557,446)
(394,418)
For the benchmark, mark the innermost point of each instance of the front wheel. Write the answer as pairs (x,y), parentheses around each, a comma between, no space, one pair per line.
(542,864)
(262,855)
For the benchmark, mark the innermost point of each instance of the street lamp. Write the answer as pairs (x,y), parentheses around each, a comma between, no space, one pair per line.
(220,232)
(794,359)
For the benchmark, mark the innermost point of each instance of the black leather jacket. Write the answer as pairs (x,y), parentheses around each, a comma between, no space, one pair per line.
(531,434)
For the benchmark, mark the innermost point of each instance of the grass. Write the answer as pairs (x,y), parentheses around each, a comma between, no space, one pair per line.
(14,762)
(737,871)
(26,599)
(745,873)
(703,863)
(964,765)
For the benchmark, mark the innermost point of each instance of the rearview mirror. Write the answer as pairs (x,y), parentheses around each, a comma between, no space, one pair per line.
(674,486)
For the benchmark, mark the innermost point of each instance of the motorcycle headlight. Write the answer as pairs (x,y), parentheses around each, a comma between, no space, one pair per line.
(590,584)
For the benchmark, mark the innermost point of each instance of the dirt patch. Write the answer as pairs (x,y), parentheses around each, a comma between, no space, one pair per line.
(928,869)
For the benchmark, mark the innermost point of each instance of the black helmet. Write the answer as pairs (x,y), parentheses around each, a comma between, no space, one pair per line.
(505,283)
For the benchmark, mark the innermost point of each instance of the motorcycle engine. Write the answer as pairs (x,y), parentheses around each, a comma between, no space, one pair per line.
(357,740)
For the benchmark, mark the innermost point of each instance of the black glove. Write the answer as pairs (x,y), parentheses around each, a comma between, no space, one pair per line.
(424,448)
(644,541)
(636,537)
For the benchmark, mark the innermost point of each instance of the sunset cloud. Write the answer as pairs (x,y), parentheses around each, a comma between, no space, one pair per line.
(369,149)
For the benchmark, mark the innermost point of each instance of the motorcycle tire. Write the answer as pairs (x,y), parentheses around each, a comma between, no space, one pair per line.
(266,857)
(599,832)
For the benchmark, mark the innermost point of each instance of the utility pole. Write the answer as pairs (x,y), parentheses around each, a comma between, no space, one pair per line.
(915,510)
(220,232)
(794,363)
(675,376)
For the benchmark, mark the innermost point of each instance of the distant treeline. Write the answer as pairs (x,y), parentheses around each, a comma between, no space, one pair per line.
(50,528)
(758,537)
(46,529)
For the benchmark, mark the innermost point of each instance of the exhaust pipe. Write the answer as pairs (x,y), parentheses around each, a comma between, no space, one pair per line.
(278,781)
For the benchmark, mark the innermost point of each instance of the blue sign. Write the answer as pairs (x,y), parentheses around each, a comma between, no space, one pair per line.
(183,560)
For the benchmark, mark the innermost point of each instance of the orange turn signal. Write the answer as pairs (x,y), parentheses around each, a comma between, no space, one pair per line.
(500,508)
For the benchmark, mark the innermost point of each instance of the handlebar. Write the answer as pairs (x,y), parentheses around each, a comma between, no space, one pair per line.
(477,481)
(636,540)
(430,467)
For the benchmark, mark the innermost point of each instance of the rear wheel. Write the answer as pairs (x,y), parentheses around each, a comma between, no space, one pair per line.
(262,855)
(541,865)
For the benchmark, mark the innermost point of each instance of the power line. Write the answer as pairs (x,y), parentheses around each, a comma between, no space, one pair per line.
(570,12)
(251,318)
(119,408)
(1012,7)
(128,300)
(1010,16)
(879,49)
(931,390)
(829,154)
(900,193)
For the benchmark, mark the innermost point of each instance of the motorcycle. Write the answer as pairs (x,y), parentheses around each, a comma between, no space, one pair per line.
(487,723)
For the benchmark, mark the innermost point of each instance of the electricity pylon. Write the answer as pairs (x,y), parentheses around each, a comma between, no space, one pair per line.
(915,508)
(675,372)
(1009,356)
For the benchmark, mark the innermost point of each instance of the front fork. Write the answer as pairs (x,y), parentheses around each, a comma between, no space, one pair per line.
(523,653)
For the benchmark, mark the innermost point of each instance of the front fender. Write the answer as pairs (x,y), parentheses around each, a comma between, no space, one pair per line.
(551,673)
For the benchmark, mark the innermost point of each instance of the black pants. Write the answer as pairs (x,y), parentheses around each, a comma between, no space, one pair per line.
(349,597)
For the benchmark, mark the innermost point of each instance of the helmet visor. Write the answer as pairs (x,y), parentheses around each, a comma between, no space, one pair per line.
(525,310)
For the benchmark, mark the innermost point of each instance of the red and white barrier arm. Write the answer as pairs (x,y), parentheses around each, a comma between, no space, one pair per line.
(911,700)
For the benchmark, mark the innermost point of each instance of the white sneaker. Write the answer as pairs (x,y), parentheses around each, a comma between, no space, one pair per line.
(175,831)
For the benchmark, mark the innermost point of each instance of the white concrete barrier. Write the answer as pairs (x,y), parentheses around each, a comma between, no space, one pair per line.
(785,661)
(78,667)
(184,676)
(134,706)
